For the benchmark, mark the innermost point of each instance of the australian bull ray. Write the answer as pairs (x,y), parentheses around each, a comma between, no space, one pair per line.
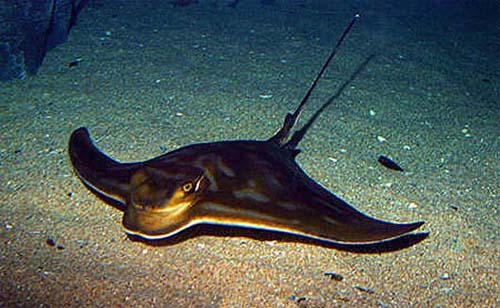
(245,183)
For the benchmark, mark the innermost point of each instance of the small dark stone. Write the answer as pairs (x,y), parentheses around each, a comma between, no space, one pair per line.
(81,243)
(73,63)
(50,241)
(389,163)
(334,276)
(362,289)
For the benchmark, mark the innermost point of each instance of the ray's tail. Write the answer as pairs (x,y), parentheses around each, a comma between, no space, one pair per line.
(282,134)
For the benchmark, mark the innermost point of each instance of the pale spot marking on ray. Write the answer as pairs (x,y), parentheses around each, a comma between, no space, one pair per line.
(225,168)
(203,162)
(289,206)
(273,182)
(251,194)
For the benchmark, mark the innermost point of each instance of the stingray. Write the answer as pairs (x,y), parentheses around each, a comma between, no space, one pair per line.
(237,183)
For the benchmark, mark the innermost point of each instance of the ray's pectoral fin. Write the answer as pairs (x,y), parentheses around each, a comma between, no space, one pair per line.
(373,230)
(357,227)
(107,178)
(344,223)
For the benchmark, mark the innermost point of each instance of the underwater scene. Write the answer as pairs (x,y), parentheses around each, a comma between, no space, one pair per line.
(256,153)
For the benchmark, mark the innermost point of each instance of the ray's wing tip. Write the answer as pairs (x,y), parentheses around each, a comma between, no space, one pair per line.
(417,223)
(411,226)
(395,231)
(79,132)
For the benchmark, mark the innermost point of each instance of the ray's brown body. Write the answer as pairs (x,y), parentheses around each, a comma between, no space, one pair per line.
(245,183)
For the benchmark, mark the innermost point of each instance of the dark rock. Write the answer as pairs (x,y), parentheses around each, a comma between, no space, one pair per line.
(30,28)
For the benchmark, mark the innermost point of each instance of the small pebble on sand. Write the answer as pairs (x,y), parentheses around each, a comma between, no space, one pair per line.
(265,96)
(412,205)
(333,159)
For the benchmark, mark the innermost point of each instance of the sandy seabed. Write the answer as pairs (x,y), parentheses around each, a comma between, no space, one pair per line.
(154,78)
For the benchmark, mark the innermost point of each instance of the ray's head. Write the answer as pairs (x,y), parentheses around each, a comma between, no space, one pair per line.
(159,202)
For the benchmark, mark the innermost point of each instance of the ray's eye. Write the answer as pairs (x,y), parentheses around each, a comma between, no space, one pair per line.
(187,187)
